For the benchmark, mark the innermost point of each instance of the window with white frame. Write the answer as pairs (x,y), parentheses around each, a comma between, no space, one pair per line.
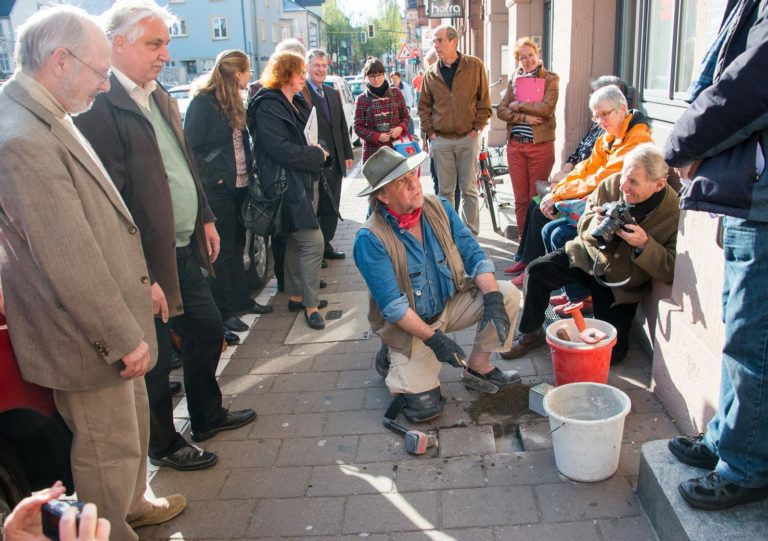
(179,28)
(285,32)
(263,29)
(219,28)
(275,32)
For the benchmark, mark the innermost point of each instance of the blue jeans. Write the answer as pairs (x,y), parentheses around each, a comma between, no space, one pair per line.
(739,430)
(555,234)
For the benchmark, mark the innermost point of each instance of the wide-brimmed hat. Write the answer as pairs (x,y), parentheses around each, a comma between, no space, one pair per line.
(387,165)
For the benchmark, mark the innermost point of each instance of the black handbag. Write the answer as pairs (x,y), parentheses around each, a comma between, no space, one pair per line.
(261,214)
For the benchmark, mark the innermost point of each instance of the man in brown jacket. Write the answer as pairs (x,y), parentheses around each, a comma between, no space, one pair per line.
(454,108)
(77,291)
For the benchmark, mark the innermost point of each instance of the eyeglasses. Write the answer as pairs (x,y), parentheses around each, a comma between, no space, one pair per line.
(103,76)
(597,117)
(375,75)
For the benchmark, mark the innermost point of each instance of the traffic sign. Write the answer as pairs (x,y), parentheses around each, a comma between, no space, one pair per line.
(405,53)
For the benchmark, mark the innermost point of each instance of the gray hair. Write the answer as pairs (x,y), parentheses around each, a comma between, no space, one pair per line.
(450,31)
(58,27)
(605,80)
(123,18)
(312,53)
(649,157)
(291,44)
(610,94)
(430,58)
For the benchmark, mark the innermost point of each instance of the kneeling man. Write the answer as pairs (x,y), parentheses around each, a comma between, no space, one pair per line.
(615,257)
(428,276)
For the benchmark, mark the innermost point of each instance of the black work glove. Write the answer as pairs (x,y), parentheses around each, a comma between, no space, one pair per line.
(446,350)
(495,314)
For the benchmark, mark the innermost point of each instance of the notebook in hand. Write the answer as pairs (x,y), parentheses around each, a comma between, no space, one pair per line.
(529,88)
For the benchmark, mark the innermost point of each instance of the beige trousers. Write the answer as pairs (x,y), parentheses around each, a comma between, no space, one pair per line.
(419,373)
(110,428)
(457,160)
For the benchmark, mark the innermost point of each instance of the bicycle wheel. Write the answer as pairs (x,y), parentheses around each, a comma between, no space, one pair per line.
(490,199)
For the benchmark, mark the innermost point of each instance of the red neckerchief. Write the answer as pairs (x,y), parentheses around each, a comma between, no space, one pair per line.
(406,221)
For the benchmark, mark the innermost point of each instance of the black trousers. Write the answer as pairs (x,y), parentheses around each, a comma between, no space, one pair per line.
(326,215)
(531,242)
(553,271)
(201,332)
(229,288)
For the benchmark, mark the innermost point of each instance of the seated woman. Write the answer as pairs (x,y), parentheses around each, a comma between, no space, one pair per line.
(624,130)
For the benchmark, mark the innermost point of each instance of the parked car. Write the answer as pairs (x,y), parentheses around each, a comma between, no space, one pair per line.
(348,103)
(357,87)
(182,95)
(256,259)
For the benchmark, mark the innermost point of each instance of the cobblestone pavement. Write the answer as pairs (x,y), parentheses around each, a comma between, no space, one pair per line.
(318,464)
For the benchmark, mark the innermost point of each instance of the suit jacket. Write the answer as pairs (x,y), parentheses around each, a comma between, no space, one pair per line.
(77,294)
(333,131)
(125,141)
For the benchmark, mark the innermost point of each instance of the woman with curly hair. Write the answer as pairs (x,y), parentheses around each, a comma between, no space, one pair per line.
(215,129)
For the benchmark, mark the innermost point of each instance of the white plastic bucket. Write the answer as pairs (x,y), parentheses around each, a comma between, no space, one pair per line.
(587,423)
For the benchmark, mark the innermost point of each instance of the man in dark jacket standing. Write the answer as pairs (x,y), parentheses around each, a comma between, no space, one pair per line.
(333,136)
(720,142)
(135,128)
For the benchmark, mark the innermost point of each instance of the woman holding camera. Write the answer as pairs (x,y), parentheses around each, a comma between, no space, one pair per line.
(381,115)
(215,129)
(285,159)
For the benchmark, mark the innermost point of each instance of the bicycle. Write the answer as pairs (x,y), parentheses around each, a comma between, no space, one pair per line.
(492,164)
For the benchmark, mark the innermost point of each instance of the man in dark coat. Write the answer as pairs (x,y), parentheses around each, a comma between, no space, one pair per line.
(720,142)
(136,130)
(333,136)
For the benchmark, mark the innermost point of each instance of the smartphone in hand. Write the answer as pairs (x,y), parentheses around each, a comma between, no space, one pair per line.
(52,512)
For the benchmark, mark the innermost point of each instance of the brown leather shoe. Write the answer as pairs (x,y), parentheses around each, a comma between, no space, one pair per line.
(162,510)
(525,342)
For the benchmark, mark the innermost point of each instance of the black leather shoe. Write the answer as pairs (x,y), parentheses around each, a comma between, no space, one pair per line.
(188,458)
(257,308)
(690,450)
(231,421)
(235,324)
(175,387)
(525,342)
(294,306)
(714,493)
(381,361)
(231,338)
(175,360)
(322,284)
(330,253)
(315,321)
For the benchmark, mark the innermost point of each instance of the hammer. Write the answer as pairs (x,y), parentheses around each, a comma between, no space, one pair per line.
(416,443)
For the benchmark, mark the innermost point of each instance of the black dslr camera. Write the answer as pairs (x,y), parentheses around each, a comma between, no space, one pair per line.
(615,216)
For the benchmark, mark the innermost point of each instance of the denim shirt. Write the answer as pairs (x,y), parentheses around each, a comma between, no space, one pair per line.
(428,268)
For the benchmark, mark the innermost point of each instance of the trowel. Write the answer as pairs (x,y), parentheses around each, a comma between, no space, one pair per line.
(589,335)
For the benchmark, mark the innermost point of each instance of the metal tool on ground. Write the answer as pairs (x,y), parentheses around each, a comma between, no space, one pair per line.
(416,442)
(589,335)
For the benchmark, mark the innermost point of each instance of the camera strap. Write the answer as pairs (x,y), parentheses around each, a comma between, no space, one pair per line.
(609,284)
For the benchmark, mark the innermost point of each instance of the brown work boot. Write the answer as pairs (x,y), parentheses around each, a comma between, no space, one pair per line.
(162,510)
(525,342)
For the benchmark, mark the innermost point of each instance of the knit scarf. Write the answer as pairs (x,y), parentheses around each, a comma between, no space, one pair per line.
(406,221)
(380,91)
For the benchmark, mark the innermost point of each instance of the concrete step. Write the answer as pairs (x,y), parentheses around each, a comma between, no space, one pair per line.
(673,519)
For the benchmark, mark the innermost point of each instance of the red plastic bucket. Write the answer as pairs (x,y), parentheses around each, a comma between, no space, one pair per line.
(574,362)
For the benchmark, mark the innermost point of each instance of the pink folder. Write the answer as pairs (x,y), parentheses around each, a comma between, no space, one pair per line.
(529,88)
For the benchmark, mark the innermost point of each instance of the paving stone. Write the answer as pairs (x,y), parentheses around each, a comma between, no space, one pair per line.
(355,422)
(243,454)
(368,537)
(302,516)
(340,362)
(259,336)
(266,404)
(629,460)
(201,485)
(579,501)
(465,441)
(385,447)
(470,534)
(391,512)
(209,520)
(316,451)
(245,384)
(258,483)
(567,531)
(260,350)
(528,468)
(341,400)
(272,323)
(628,529)
(300,425)
(376,398)
(318,348)
(629,378)
(439,474)
(488,506)
(351,479)
(524,366)
(535,435)
(644,401)
(305,382)
(240,368)
(357,379)
(456,392)
(282,363)
(364,346)
(642,427)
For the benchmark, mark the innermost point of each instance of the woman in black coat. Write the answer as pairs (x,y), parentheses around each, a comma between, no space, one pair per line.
(215,129)
(283,155)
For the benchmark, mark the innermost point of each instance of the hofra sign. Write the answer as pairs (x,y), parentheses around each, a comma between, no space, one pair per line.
(444,9)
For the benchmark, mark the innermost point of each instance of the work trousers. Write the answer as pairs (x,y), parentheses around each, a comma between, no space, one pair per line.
(528,162)
(456,160)
(303,255)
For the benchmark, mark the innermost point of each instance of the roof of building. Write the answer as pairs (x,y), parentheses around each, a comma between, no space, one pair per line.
(6,6)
